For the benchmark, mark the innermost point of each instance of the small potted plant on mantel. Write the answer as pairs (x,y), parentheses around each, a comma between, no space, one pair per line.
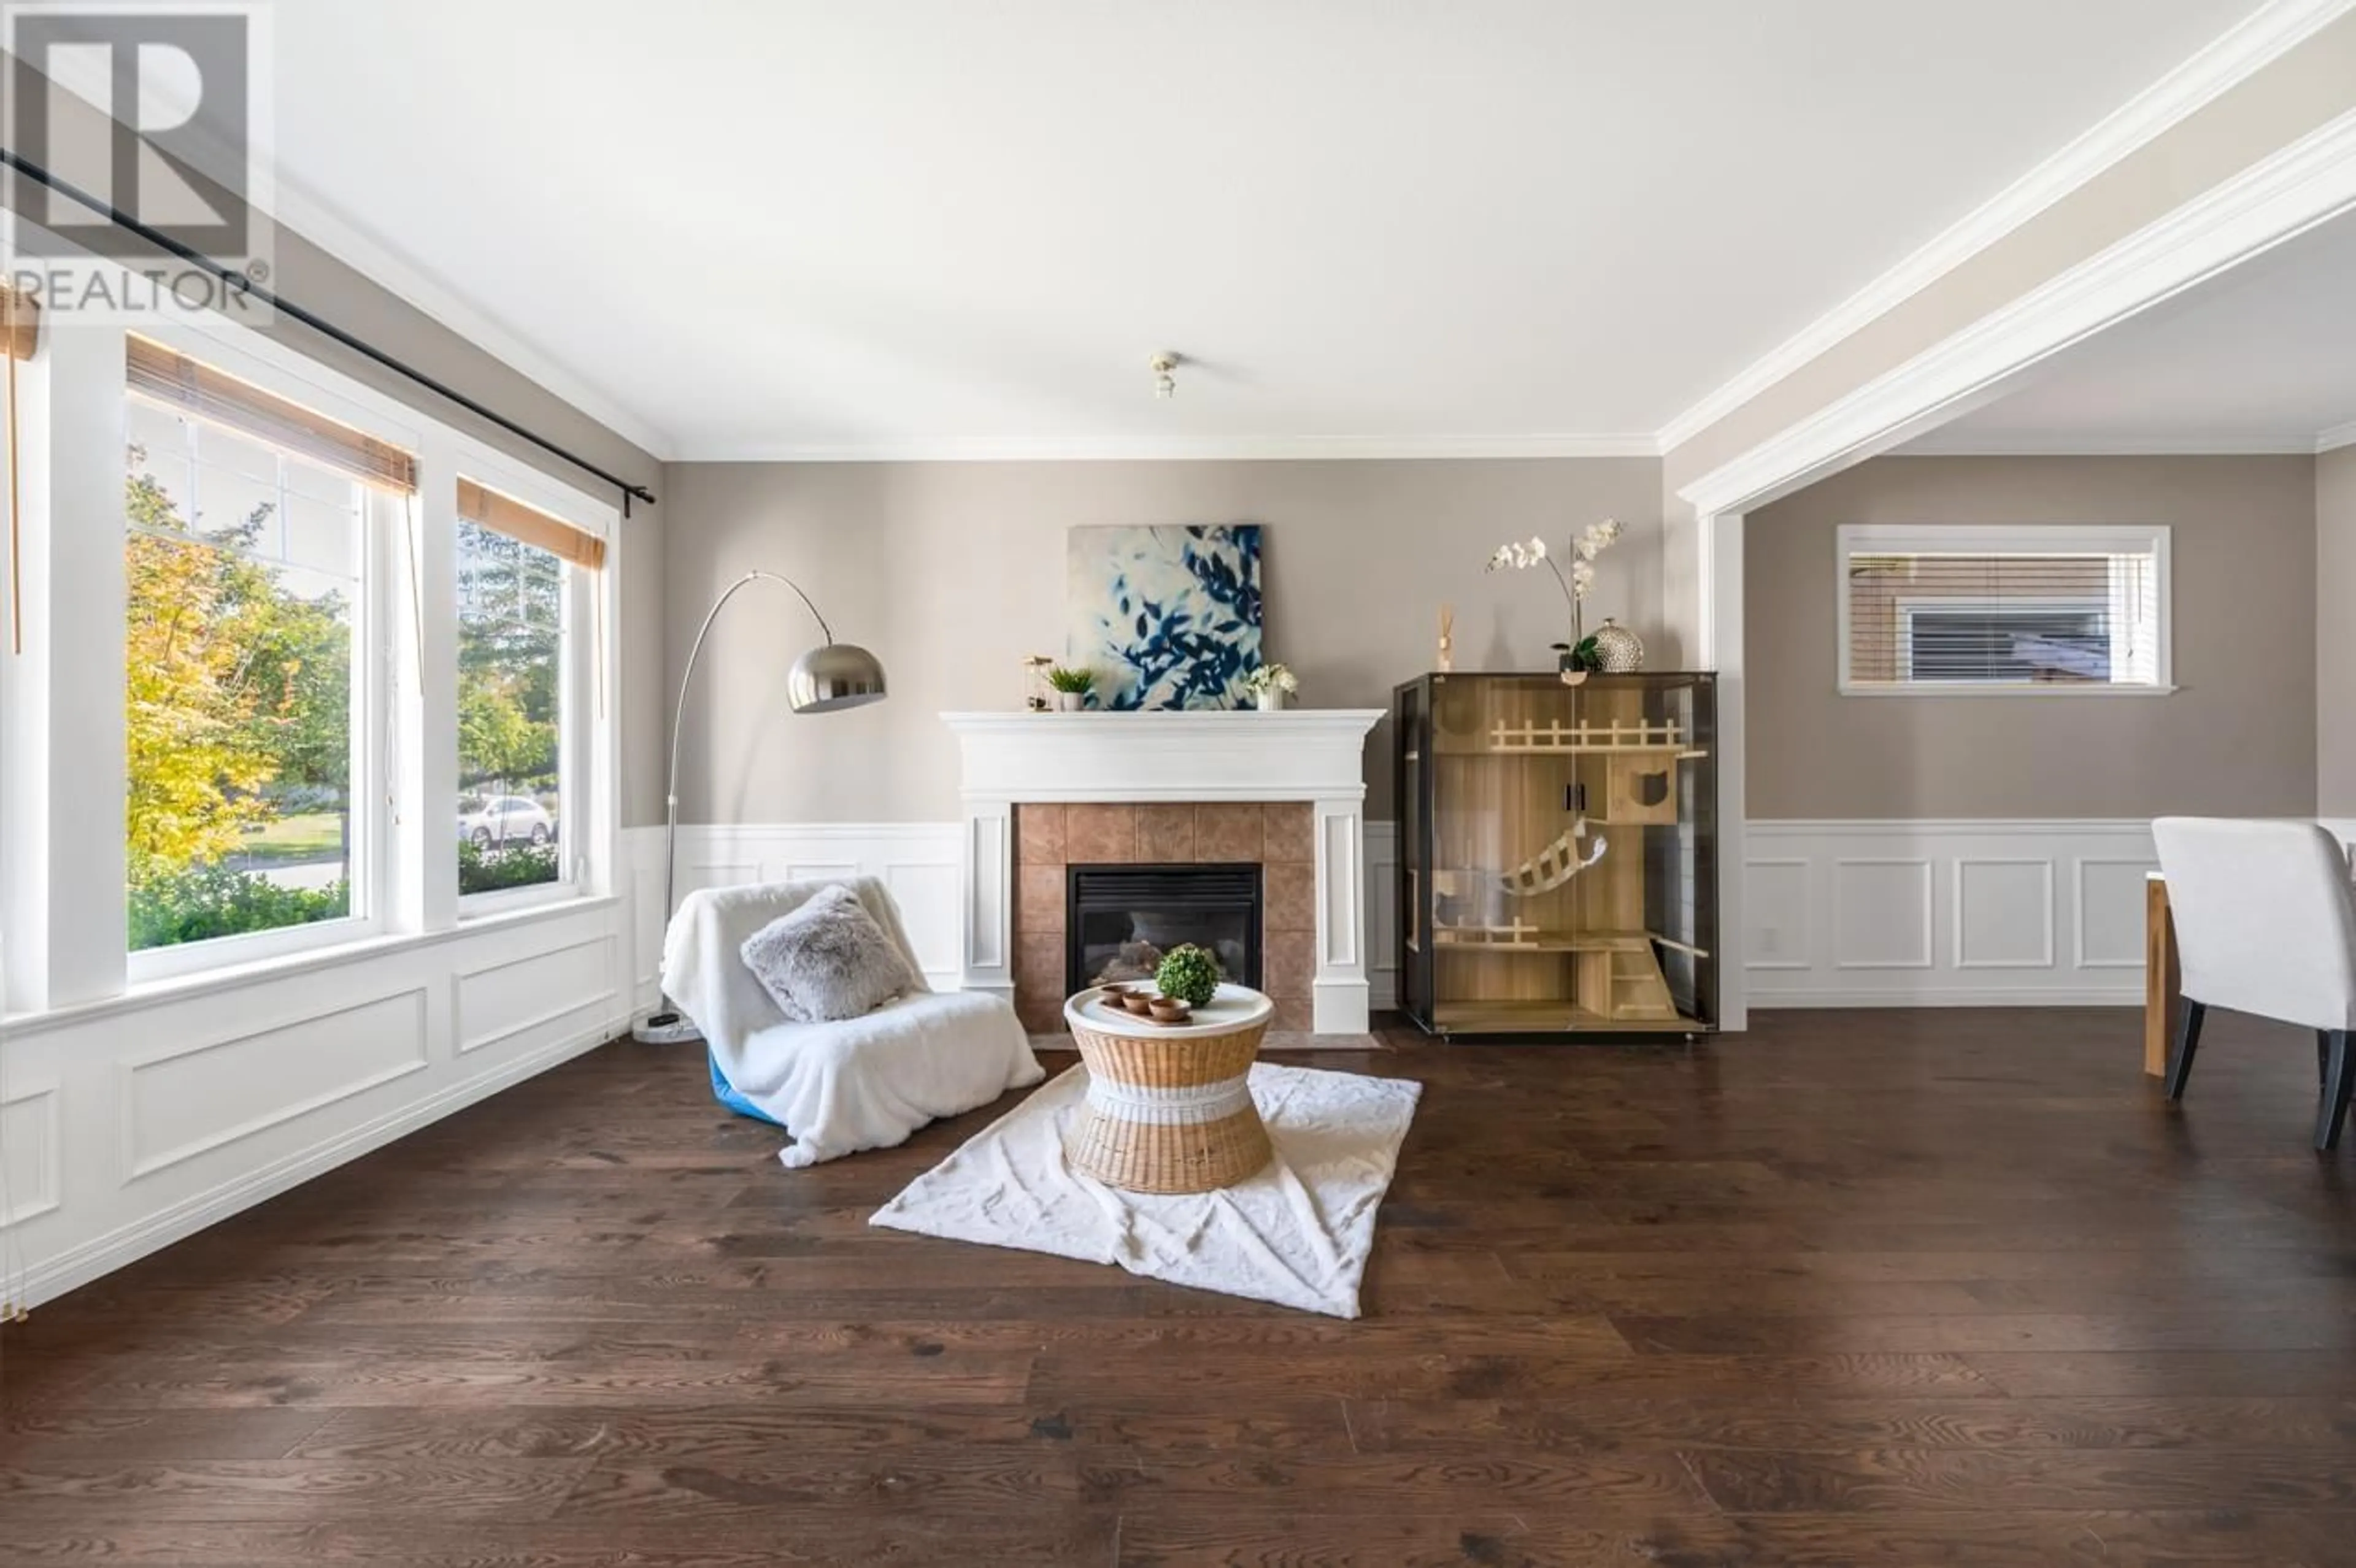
(1071,685)
(1271,686)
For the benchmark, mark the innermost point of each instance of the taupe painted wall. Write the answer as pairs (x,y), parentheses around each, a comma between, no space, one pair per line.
(2238,737)
(2335,647)
(952,571)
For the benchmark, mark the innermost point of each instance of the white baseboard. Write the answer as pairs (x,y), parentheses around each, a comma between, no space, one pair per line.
(1945,913)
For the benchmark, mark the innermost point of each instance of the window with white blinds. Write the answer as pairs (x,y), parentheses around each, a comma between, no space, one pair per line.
(1928,609)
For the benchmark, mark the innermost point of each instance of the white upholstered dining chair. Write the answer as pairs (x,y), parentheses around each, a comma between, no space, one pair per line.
(2265,923)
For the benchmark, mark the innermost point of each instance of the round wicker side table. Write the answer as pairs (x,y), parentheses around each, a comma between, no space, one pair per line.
(1170,1109)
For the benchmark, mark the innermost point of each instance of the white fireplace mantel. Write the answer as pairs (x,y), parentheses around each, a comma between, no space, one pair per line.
(1314,754)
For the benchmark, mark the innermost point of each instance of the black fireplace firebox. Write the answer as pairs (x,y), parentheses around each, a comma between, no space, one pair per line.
(1119,919)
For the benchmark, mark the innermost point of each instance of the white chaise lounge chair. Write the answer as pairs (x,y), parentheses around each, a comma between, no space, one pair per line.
(859,1083)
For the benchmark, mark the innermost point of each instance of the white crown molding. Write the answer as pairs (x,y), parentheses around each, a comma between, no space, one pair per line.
(2256,42)
(1954,442)
(315,221)
(1210,449)
(2335,438)
(2282,195)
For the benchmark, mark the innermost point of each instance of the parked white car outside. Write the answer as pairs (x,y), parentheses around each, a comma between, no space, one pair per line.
(504,819)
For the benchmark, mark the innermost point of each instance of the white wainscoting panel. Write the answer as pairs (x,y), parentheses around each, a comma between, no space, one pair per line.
(1945,913)
(184,1100)
(1382,915)
(1881,912)
(927,893)
(2109,932)
(2003,913)
(1782,930)
(29,1176)
(644,916)
(517,1002)
(917,861)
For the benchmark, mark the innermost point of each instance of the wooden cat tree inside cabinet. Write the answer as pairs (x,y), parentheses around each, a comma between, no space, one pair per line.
(1557,854)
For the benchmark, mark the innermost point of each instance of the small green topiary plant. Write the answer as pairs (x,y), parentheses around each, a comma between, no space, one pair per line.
(1189,974)
(1063,677)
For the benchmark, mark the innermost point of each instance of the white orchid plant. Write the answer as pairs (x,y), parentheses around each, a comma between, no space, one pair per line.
(1269,677)
(1523,554)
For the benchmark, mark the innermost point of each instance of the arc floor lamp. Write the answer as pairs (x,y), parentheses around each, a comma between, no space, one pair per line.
(826,679)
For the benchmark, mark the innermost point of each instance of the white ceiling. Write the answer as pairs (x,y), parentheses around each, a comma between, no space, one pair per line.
(2260,359)
(933,227)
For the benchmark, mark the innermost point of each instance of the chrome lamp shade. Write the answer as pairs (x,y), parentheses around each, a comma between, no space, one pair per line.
(832,677)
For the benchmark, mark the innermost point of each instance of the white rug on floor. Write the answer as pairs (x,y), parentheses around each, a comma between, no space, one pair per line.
(1297,1234)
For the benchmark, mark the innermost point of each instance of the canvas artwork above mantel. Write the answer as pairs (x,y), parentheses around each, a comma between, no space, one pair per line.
(1165,618)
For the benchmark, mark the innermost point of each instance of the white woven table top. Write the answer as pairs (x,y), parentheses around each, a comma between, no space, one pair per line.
(1231,1008)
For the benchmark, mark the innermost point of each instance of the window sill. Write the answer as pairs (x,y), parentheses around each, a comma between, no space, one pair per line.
(2024,689)
(213,982)
(476,908)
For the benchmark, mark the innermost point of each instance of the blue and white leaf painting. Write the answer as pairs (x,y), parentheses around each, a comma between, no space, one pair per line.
(1167,617)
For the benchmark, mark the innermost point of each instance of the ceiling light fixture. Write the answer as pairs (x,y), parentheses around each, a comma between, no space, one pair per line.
(1164,366)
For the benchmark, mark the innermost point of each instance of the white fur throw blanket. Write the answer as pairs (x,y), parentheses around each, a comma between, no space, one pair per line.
(839,1087)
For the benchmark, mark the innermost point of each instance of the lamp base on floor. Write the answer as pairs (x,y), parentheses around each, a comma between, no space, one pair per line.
(667,1027)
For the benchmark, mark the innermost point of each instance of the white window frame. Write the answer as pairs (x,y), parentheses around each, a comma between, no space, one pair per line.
(1942,539)
(586,775)
(379,618)
(63,782)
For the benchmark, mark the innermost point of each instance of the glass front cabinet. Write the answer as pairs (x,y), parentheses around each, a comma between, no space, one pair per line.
(1557,854)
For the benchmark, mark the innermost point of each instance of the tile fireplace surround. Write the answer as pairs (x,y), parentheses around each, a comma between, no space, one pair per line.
(1044,791)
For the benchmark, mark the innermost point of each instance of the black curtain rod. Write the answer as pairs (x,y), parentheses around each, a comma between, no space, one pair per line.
(316,322)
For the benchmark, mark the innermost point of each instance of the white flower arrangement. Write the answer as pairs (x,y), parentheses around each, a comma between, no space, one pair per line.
(1270,677)
(1521,554)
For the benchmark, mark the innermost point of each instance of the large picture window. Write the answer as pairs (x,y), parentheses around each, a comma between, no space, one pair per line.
(517,580)
(1988,610)
(312,693)
(255,681)
(243,576)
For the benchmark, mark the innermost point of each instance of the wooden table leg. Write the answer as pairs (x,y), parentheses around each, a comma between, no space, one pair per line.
(2162,980)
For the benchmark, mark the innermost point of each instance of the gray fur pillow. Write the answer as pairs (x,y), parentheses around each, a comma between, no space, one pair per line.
(827,960)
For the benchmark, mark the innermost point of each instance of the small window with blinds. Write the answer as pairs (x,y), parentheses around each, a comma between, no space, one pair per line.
(1976,611)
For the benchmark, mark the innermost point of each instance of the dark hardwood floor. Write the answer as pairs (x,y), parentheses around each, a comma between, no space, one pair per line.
(1886,1289)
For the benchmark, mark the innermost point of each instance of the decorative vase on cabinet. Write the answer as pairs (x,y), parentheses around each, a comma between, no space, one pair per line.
(1618,650)
(1557,854)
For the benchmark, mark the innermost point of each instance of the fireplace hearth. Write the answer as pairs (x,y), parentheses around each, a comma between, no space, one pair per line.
(1119,919)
